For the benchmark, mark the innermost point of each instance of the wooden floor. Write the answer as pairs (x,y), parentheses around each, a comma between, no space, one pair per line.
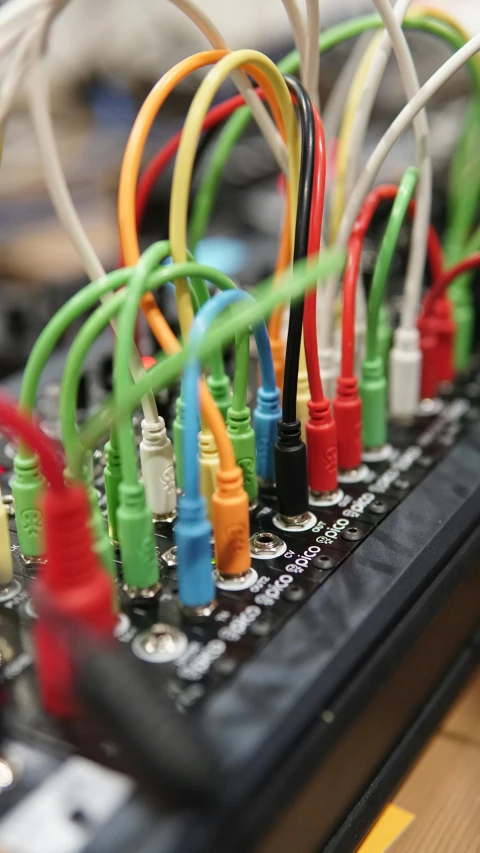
(443,789)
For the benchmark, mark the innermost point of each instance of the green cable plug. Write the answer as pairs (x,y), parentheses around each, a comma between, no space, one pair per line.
(27,487)
(242,436)
(384,337)
(112,476)
(464,316)
(373,391)
(373,381)
(137,539)
(219,388)
(177,434)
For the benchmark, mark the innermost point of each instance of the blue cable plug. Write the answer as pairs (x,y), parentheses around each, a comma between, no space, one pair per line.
(194,554)
(266,415)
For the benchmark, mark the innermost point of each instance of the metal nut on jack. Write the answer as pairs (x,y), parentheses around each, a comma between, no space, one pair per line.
(147,592)
(170,557)
(265,545)
(296,523)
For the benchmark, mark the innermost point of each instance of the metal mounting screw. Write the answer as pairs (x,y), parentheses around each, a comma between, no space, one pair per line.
(160,644)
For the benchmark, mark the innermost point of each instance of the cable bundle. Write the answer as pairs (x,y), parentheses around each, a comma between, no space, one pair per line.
(297,438)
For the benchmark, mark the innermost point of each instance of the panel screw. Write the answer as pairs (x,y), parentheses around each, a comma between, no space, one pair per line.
(323,562)
(378,507)
(352,534)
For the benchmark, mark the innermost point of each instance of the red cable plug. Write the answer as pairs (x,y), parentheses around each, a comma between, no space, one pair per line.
(347,406)
(321,435)
(428,346)
(74,584)
(320,429)
(445,329)
(347,411)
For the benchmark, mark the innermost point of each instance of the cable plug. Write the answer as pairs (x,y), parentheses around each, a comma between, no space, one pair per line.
(303,398)
(156,455)
(329,368)
(77,585)
(6,561)
(445,328)
(347,411)
(321,448)
(242,436)
(194,554)
(231,525)
(177,433)
(373,393)
(428,347)
(27,488)
(384,337)
(112,477)
(464,319)
(404,374)
(137,540)
(209,464)
(291,470)
(266,416)
(221,392)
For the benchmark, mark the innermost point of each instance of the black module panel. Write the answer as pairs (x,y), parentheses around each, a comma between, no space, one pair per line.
(273,661)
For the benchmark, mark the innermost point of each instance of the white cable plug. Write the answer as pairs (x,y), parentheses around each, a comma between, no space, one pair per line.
(156,455)
(405,374)
(209,464)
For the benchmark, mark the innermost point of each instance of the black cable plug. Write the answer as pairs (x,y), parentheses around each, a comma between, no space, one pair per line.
(290,452)
(291,470)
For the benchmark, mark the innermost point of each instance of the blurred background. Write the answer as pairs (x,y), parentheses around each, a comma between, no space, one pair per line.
(103,57)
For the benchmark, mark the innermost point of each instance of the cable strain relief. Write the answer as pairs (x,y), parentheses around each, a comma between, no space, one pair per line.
(238,420)
(112,458)
(268,402)
(180,410)
(319,411)
(229,483)
(191,510)
(132,496)
(372,368)
(26,465)
(289,433)
(347,387)
(206,443)
(154,431)
(406,340)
